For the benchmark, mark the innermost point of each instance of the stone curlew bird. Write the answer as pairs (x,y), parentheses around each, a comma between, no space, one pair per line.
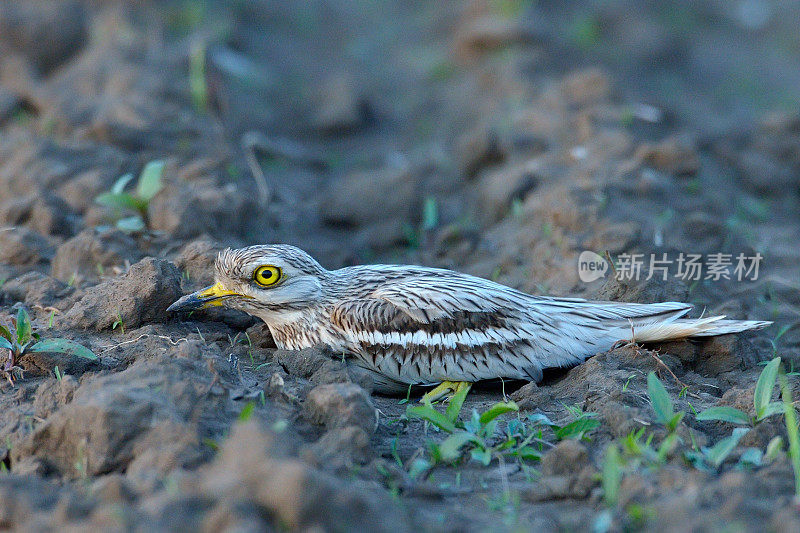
(412,325)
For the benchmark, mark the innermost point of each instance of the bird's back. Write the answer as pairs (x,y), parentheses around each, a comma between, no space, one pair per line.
(415,325)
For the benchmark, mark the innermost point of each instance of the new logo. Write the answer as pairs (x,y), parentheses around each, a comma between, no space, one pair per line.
(591,266)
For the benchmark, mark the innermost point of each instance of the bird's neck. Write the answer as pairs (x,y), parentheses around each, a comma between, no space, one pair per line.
(295,330)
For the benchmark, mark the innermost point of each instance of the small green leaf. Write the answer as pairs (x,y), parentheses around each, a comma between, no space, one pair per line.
(133,224)
(433,451)
(121,200)
(426,412)
(483,456)
(63,346)
(782,332)
(790,418)
(450,448)
(121,183)
(5,333)
(675,420)
(774,448)
(5,344)
(247,412)
(611,476)
(488,430)
(150,180)
(751,456)
(418,467)
(540,418)
(659,398)
(24,329)
(666,446)
(454,408)
(764,386)
(430,214)
(576,429)
(724,413)
(772,408)
(717,454)
(528,452)
(497,410)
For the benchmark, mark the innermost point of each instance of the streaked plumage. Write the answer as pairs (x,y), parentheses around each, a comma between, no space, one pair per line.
(418,325)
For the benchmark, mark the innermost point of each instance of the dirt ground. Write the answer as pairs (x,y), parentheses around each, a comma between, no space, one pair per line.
(501,138)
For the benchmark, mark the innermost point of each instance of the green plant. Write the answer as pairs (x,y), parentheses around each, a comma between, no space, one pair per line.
(762,401)
(577,429)
(781,333)
(430,214)
(790,416)
(479,435)
(611,475)
(18,338)
(197,77)
(407,398)
(247,412)
(138,201)
(430,219)
(118,323)
(483,438)
(710,459)
(662,404)
(643,450)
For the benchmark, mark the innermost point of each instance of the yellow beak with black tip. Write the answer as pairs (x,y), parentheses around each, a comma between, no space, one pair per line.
(209,297)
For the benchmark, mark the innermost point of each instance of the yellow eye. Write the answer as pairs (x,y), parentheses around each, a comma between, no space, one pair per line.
(267,275)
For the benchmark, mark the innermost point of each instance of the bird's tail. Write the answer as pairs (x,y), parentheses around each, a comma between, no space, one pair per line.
(681,328)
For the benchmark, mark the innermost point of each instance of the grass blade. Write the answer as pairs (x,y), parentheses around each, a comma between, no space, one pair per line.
(121,183)
(150,180)
(454,408)
(717,454)
(540,418)
(660,400)
(724,413)
(132,224)
(772,408)
(120,200)
(576,429)
(497,410)
(430,214)
(611,476)
(247,412)
(65,346)
(790,417)
(483,456)
(5,344)
(6,333)
(418,467)
(426,412)
(766,382)
(24,329)
(528,453)
(450,448)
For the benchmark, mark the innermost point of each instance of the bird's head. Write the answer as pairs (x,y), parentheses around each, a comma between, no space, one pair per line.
(262,280)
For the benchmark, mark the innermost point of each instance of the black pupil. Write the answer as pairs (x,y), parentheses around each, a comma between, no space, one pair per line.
(267,274)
